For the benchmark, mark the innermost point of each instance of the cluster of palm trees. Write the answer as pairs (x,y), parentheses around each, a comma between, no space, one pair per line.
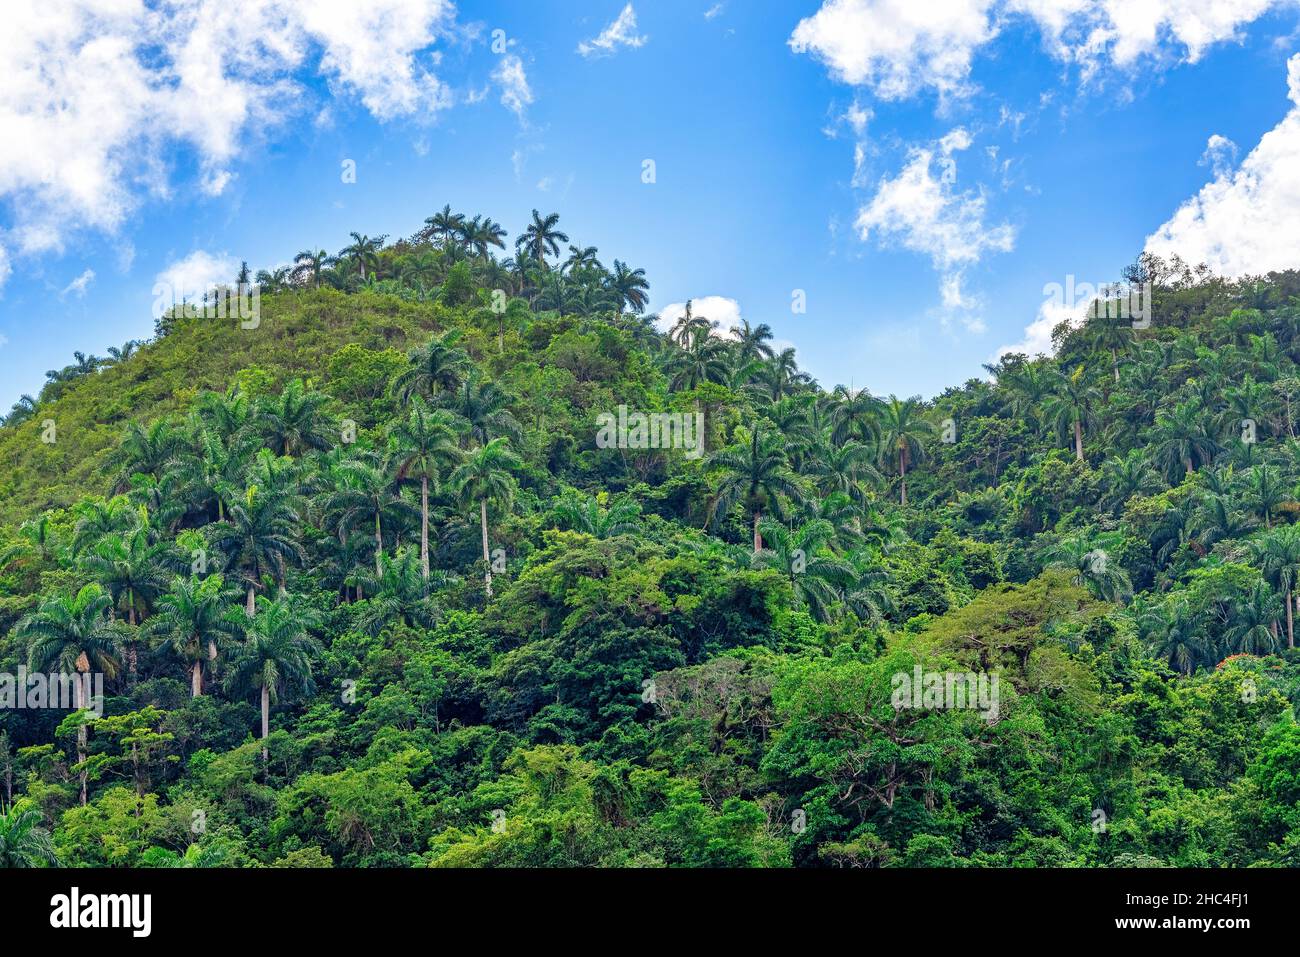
(57,380)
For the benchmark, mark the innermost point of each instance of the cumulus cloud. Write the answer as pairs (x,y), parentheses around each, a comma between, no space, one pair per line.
(896,48)
(921,209)
(5,268)
(1220,154)
(1037,339)
(516,94)
(1247,220)
(93,92)
(190,278)
(620,33)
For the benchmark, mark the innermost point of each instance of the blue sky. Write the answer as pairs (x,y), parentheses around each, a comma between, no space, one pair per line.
(919,176)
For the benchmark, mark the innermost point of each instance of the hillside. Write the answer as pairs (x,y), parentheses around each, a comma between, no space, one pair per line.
(394,580)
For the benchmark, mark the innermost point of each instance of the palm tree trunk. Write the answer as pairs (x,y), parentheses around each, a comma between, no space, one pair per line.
(424,526)
(250,606)
(487,557)
(1114,364)
(196,680)
(1290,622)
(379,546)
(1078,440)
(758,539)
(902,475)
(78,702)
(266,717)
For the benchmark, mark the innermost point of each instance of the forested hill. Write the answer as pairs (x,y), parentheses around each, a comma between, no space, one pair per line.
(429,567)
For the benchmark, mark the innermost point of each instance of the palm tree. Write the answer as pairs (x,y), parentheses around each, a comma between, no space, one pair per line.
(817,577)
(1277,556)
(23,843)
(1128,475)
(118,355)
(1181,439)
(1070,407)
(146,450)
(439,366)
(399,593)
(902,433)
(133,568)
(1092,566)
(295,422)
(688,327)
(364,497)
(705,360)
(854,415)
(72,634)
(443,226)
(483,478)
(842,468)
(752,341)
(629,287)
(364,251)
(1264,492)
(483,406)
(275,658)
(1178,636)
(755,475)
(194,622)
(311,264)
(588,515)
(481,236)
(582,257)
(541,237)
(1253,620)
(420,447)
(259,536)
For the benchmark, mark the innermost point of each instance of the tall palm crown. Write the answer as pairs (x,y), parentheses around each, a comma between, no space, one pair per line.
(629,287)
(193,621)
(363,252)
(541,237)
(310,265)
(275,658)
(258,537)
(1071,407)
(486,477)
(295,421)
(755,475)
(72,633)
(420,448)
(903,430)
(438,366)
(444,226)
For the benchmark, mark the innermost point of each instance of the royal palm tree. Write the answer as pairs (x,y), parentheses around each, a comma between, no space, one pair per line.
(1181,439)
(1178,637)
(421,448)
(1254,619)
(295,421)
(258,537)
(444,226)
(72,635)
(147,450)
(275,658)
(854,415)
(629,287)
(704,360)
(541,236)
(1092,566)
(364,498)
(1071,407)
(193,619)
(903,430)
(1264,492)
(484,478)
(483,406)
(817,577)
(310,265)
(398,594)
(363,251)
(438,366)
(689,327)
(133,567)
(580,258)
(755,475)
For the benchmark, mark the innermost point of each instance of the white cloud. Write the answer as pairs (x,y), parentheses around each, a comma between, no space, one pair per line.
(1220,154)
(620,33)
(79,285)
(5,268)
(1246,221)
(722,311)
(923,212)
(897,48)
(196,274)
(713,11)
(1037,339)
(93,93)
(516,94)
